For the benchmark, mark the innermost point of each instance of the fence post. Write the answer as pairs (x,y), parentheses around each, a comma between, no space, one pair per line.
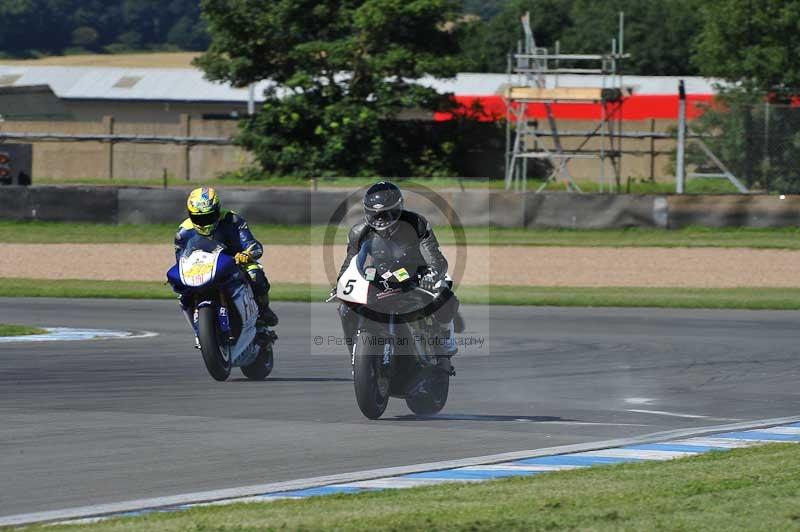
(681,163)
(652,149)
(108,125)
(186,130)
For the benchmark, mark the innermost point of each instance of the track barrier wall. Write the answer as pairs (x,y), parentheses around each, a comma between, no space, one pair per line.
(470,208)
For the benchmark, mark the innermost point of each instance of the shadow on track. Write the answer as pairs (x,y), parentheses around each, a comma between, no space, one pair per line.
(484,417)
(292,379)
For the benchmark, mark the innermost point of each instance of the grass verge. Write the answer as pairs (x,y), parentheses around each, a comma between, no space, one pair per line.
(18,330)
(85,233)
(741,489)
(712,298)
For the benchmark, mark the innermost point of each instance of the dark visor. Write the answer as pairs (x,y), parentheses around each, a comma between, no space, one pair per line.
(204,219)
(382,218)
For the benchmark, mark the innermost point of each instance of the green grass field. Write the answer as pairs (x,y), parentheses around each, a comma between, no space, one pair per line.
(743,489)
(61,232)
(718,298)
(18,330)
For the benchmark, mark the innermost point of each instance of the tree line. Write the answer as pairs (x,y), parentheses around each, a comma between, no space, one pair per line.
(32,28)
(660,32)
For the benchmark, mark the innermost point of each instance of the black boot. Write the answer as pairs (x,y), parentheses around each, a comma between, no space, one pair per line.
(458,323)
(446,341)
(261,292)
(266,314)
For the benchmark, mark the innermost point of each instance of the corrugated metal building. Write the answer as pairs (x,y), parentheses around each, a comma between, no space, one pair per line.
(162,94)
(132,94)
(181,102)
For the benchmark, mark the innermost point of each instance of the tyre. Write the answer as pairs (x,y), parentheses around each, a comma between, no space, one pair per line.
(435,397)
(370,380)
(217,360)
(262,366)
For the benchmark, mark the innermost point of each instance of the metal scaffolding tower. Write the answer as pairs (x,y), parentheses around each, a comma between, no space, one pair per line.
(533,75)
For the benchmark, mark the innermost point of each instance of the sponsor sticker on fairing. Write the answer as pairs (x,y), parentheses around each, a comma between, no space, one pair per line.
(386,276)
(401,274)
(369,274)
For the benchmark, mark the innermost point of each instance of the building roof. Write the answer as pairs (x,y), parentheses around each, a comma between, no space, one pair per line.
(137,84)
(189,85)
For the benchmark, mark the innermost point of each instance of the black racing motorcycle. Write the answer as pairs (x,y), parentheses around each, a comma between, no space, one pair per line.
(395,346)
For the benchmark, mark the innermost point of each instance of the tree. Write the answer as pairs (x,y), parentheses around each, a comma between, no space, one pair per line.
(754,45)
(658,33)
(485,9)
(487,44)
(752,42)
(33,27)
(342,72)
(189,33)
(85,37)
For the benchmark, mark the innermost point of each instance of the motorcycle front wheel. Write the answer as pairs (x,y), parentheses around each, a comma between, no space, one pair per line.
(217,360)
(370,379)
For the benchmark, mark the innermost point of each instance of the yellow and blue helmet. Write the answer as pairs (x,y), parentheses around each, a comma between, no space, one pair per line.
(204,209)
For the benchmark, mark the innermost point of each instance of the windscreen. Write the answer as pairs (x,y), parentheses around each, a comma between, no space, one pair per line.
(385,256)
(200,243)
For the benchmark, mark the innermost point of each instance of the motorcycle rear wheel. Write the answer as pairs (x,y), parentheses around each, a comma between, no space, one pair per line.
(262,366)
(369,379)
(432,402)
(216,361)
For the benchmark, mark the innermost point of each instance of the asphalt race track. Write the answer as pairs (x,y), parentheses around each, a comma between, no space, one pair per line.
(90,422)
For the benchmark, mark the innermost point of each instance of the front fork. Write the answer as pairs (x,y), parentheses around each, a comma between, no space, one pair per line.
(223,318)
(388,350)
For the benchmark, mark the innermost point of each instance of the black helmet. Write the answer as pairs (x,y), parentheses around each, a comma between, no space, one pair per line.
(383,204)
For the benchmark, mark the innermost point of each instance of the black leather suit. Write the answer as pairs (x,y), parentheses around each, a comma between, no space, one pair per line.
(411,231)
(414,234)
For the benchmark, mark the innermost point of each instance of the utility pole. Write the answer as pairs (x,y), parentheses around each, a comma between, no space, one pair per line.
(681,163)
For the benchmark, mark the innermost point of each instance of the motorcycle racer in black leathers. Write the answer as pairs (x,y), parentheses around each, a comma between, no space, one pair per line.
(385,217)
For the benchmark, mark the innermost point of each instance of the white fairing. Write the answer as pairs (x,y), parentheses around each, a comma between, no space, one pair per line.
(199,267)
(352,286)
(245,349)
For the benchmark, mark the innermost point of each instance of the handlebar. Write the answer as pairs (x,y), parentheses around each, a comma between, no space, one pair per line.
(432,294)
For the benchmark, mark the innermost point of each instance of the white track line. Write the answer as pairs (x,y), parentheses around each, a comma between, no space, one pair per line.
(67,334)
(539,468)
(717,442)
(782,430)
(676,414)
(640,454)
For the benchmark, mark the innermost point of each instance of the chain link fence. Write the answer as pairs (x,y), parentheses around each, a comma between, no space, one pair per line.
(758,142)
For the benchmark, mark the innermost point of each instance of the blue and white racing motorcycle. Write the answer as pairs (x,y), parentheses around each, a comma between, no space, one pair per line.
(224,311)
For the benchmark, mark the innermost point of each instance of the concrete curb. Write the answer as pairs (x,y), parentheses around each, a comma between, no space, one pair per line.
(340,483)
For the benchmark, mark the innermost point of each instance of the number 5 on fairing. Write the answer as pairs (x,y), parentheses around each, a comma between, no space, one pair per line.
(349,286)
(352,286)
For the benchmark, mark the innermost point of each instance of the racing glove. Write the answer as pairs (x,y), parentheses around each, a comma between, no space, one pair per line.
(428,281)
(243,258)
